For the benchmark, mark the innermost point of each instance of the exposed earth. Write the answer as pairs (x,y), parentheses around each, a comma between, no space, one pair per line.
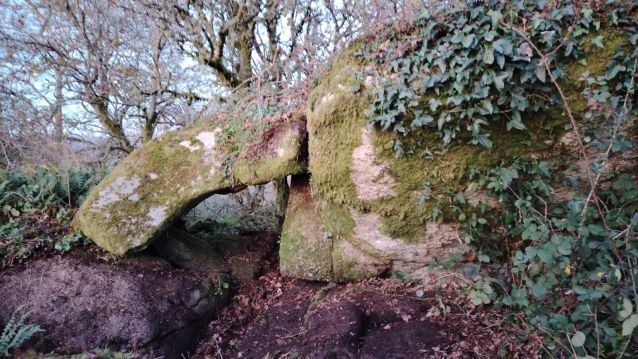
(146,306)
(279,317)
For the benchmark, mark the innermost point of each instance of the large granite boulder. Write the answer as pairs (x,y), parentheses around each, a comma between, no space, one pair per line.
(362,212)
(161,180)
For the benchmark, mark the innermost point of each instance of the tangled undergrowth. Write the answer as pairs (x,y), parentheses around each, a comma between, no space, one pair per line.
(569,267)
(36,208)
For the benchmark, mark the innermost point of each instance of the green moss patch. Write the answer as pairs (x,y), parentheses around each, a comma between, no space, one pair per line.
(166,177)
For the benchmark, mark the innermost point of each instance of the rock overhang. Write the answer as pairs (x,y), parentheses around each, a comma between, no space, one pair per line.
(162,179)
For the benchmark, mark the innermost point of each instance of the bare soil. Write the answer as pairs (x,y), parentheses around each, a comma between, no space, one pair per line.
(280,317)
(148,307)
(84,300)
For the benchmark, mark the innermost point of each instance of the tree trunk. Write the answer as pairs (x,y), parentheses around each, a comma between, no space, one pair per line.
(58,129)
(113,128)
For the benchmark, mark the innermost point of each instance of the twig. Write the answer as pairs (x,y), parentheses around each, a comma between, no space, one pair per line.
(6,155)
(583,152)
(611,141)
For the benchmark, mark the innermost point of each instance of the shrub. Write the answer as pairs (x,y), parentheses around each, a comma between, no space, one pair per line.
(36,207)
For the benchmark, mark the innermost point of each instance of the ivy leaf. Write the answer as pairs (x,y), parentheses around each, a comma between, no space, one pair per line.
(467,40)
(503,46)
(598,41)
(442,120)
(540,73)
(627,308)
(498,81)
(500,59)
(488,56)
(525,50)
(441,65)
(515,122)
(578,339)
(614,71)
(434,104)
(487,105)
(507,175)
(629,325)
(422,121)
(536,22)
(483,140)
(496,16)
(490,35)
(569,47)
(436,213)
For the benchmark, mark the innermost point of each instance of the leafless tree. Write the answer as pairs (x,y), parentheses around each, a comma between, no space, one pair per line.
(117,66)
(274,42)
(74,69)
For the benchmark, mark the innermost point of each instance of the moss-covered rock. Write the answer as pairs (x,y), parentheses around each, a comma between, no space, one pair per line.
(314,244)
(364,215)
(164,178)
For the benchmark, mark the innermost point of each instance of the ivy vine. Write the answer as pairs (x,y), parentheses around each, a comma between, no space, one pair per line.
(568,267)
(458,70)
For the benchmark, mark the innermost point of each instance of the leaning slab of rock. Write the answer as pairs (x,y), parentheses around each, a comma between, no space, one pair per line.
(164,178)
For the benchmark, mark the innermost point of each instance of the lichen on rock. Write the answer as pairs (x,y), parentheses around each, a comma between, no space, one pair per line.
(162,179)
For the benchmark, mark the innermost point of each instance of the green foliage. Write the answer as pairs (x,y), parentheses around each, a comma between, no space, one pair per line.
(482,293)
(458,70)
(36,207)
(568,265)
(222,287)
(16,332)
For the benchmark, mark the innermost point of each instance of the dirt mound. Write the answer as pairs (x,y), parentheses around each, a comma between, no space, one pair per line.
(354,326)
(341,325)
(139,304)
(279,317)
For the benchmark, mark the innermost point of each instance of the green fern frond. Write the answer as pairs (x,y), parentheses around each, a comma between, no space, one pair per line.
(16,333)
